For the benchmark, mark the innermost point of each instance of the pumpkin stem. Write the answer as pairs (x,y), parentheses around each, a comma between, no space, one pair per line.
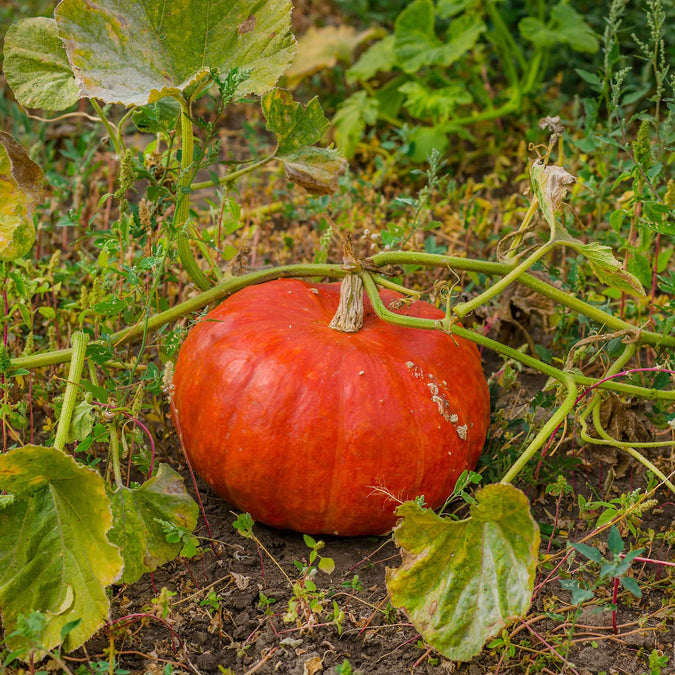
(349,315)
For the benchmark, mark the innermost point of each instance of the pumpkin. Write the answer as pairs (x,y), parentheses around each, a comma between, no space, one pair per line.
(323,431)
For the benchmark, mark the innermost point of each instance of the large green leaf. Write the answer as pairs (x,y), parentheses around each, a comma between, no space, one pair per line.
(137,52)
(422,140)
(55,556)
(20,188)
(567,26)
(461,582)
(378,57)
(438,104)
(136,513)
(293,124)
(315,169)
(416,44)
(36,65)
(350,121)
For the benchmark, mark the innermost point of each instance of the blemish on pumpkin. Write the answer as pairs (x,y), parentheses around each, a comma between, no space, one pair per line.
(247,25)
(441,402)
(362,372)
(461,431)
(315,291)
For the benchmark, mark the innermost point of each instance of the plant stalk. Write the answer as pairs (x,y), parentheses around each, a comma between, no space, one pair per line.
(78,351)
(109,127)
(349,314)
(115,454)
(183,200)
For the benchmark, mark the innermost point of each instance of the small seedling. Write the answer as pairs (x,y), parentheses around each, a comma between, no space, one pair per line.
(211,601)
(265,604)
(616,567)
(175,533)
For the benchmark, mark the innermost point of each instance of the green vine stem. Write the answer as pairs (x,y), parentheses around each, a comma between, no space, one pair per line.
(549,428)
(235,284)
(232,176)
(527,219)
(566,379)
(505,34)
(593,409)
(231,285)
(79,349)
(114,139)
(500,269)
(488,343)
(183,200)
(463,308)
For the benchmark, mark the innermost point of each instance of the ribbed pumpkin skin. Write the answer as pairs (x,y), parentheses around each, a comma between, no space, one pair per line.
(299,424)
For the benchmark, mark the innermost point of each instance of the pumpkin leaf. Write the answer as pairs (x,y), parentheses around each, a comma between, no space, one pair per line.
(20,188)
(438,104)
(315,169)
(350,121)
(416,44)
(325,47)
(423,140)
(36,65)
(461,582)
(292,123)
(136,530)
(567,26)
(378,57)
(55,557)
(607,268)
(138,52)
(448,8)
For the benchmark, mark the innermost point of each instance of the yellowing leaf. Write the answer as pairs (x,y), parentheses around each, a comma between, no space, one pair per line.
(20,188)
(607,268)
(315,169)
(136,530)
(461,582)
(138,52)
(55,557)
(321,48)
(36,65)
(293,124)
